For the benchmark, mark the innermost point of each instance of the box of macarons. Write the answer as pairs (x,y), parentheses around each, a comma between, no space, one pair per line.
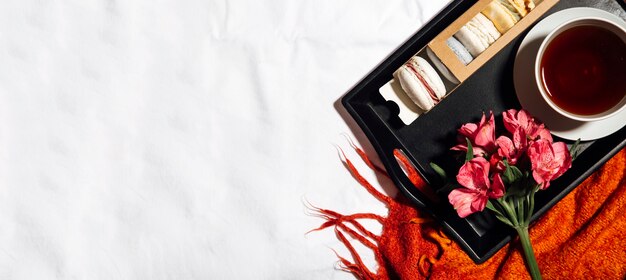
(486,57)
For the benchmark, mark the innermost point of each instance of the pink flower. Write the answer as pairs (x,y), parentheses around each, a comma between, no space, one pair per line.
(512,150)
(533,129)
(509,149)
(481,135)
(474,176)
(495,161)
(548,160)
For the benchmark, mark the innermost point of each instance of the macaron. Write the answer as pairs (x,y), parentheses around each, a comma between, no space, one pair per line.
(477,35)
(461,52)
(442,68)
(523,7)
(421,82)
(484,28)
(531,4)
(502,14)
(471,41)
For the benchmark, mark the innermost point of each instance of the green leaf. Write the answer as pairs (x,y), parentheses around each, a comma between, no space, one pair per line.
(510,212)
(504,220)
(517,174)
(527,207)
(511,173)
(536,188)
(470,150)
(507,175)
(574,150)
(492,207)
(531,207)
(520,208)
(439,171)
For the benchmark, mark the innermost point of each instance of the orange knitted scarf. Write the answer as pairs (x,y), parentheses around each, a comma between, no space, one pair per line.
(581,237)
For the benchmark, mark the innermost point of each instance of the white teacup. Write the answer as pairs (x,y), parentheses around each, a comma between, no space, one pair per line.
(611,26)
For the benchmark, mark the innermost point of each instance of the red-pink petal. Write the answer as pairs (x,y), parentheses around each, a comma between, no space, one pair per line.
(539,178)
(462,199)
(562,157)
(524,119)
(485,137)
(468,130)
(520,139)
(497,187)
(505,146)
(495,163)
(539,153)
(510,121)
(481,171)
(479,203)
(483,120)
(549,160)
(474,174)
(486,134)
(466,176)
(543,133)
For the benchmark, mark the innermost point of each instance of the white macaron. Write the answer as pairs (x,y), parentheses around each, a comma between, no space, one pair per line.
(421,82)
(484,28)
(478,34)
(471,40)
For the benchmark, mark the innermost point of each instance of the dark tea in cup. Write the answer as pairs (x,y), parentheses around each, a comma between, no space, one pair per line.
(583,68)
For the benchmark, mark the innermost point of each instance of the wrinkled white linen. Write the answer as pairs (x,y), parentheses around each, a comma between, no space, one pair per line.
(180,139)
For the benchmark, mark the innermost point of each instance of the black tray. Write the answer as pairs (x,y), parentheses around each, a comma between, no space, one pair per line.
(429,138)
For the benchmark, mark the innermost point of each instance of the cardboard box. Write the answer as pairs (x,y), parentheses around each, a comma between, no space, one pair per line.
(408,111)
(455,66)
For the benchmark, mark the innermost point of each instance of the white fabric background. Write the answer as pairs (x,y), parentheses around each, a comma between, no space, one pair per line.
(178,139)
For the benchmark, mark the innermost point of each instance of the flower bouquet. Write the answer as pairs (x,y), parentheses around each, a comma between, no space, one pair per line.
(503,173)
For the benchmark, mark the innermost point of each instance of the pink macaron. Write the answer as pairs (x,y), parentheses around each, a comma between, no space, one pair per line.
(421,82)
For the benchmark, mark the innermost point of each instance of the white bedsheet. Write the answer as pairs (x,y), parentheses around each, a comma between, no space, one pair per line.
(179,139)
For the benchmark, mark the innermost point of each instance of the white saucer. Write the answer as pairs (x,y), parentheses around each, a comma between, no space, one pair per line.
(528,93)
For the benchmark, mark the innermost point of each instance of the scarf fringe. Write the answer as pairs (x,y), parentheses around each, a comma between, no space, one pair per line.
(342,223)
(355,172)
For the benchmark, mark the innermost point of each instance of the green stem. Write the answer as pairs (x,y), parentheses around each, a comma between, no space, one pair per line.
(531,261)
(510,211)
